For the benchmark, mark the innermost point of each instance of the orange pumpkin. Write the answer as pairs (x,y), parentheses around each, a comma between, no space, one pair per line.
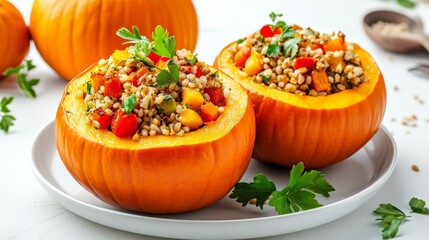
(14,36)
(318,131)
(70,35)
(159,174)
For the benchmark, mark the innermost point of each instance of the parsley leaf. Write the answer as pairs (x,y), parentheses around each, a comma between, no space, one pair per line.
(21,73)
(290,47)
(260,189)
(299,195)
(287,32)
(407,3)
(391,218)
(142,46)
(129,104)
(265,78)
(273,16)
(6,120)
(273,49)
(240,41)
(166,77)
(418,206)
(164,45)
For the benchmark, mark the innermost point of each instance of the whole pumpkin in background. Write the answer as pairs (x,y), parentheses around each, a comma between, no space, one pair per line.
(14,36)
(70,35)
(317,131)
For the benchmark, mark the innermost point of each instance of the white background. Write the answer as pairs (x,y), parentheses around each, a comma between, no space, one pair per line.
(28,212)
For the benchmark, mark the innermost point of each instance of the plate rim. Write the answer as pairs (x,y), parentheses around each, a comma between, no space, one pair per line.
(59,195)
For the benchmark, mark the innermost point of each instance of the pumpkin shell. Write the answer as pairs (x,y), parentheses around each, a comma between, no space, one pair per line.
(159,174)
(317,131)
(14,36)
(70,35)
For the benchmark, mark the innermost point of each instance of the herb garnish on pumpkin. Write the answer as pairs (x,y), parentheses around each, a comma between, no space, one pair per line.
(163,45)
(290,47)
(299,195)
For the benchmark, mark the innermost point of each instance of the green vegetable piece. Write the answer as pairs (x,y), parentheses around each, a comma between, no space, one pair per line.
(273,49)
(260,189)
(165,77)
(299,195)
(407,3)
(168,105)
(6,120)
(290,47)
(129,104)
(418,206)
(391,218)
(21,73)
(164,45)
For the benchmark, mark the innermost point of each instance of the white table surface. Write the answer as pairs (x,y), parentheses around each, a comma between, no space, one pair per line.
(28,212)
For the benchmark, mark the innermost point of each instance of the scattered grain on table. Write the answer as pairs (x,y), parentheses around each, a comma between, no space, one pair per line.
(409,121)
(415,168)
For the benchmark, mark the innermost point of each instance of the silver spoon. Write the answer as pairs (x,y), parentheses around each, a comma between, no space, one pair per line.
(411,41)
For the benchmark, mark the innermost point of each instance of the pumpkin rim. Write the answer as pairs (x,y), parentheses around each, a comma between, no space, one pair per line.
(338,100)
(212,131)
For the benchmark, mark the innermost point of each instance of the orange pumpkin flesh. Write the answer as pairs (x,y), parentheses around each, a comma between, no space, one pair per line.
(159,174)
(14,36)
(70,35)
(318,131)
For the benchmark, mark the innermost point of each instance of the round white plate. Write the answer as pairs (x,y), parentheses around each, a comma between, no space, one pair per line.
(356,180)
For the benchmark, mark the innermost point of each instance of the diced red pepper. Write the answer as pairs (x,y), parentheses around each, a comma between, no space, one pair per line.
(154,57)
(138,75)
(307,62)
(124,125)
(113,88)
(188,69)
(266,31)
(101,116)
(216,96)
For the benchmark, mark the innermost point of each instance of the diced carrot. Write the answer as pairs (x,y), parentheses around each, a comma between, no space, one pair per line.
(97,80)
(119,56)
(254,64)
(192,98)
(320,81)
(307,62)
(209,112)
(124,125)
(241,56)
(336,44)
(191,119)
(216,96)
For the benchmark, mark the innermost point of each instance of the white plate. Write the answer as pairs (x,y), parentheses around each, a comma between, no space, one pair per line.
(356,180)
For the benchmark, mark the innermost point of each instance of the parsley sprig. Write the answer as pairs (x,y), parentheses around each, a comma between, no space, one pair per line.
(6,120)
(299,195)
(391,217)
(287,36)
(21,73)
(163,45)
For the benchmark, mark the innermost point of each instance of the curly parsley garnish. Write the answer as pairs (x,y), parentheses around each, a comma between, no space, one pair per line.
(290,46)
(21,73)
(163,45)
(6,120)
(299,195)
